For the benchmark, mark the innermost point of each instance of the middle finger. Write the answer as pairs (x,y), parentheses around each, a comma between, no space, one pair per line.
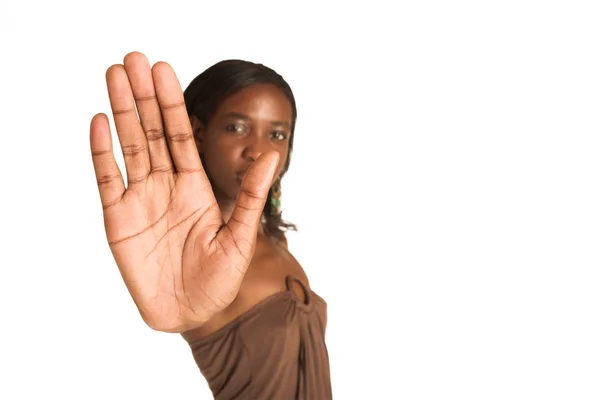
(140,77)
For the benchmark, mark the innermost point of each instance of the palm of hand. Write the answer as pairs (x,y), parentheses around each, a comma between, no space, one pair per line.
(180,261)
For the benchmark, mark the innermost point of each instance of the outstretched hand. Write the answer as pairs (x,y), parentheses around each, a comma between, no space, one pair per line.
(179,259)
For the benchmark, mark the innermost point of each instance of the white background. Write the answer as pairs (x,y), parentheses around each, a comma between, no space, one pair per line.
(444,181)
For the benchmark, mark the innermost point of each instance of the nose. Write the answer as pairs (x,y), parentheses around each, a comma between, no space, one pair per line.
(254,148)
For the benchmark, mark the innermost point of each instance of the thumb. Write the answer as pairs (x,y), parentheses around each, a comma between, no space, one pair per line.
(251,199)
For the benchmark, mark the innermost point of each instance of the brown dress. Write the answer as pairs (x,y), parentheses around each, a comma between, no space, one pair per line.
(276,350)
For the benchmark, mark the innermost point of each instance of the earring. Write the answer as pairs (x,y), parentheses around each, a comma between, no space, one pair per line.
(276,197)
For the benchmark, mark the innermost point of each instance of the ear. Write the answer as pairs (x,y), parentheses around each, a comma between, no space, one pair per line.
(198,131)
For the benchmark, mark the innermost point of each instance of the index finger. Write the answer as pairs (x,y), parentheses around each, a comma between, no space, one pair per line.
(176,120)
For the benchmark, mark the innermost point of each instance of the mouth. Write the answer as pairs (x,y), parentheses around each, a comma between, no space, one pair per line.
(240,176)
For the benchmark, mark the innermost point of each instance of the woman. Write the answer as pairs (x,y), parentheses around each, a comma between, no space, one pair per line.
(198,235)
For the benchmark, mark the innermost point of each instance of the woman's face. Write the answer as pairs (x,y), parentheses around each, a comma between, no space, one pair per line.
(248,123)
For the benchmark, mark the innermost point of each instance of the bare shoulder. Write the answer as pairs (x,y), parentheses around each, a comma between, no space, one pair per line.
(293,266)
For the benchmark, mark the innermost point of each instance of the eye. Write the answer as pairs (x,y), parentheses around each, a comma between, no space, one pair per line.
(235,128)
(279,135)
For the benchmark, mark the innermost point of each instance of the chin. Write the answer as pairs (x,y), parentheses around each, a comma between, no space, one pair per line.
(234,190)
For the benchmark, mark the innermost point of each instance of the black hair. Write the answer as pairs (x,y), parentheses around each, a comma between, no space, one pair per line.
(207,91)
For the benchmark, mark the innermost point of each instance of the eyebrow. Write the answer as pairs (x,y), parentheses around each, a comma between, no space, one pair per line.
(247,118)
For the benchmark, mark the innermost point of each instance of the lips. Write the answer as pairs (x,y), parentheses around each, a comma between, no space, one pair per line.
(240,175)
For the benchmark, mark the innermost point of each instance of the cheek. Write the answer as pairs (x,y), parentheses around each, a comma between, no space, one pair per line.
(216,163)
(221,154)
(282,160)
